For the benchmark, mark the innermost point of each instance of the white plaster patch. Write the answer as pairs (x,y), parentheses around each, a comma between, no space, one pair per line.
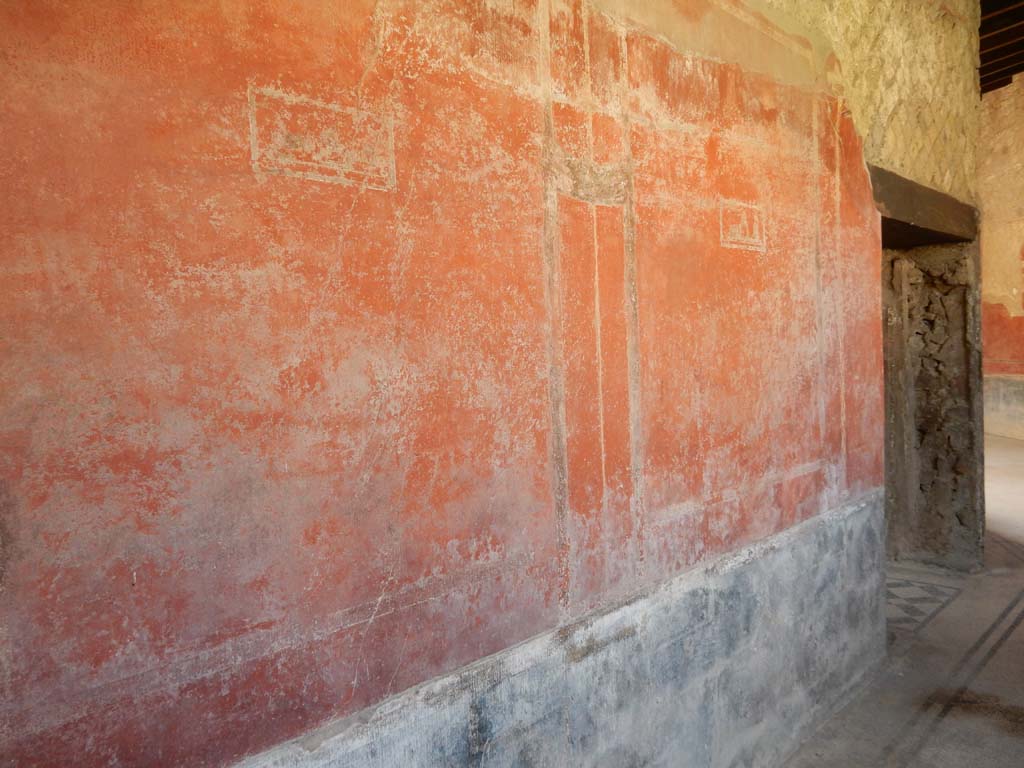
(297,136)
(741,225)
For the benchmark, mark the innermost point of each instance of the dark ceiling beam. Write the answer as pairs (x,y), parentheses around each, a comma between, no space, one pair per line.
(1001,43)
(1006,18)
(990,48)
(1005,36)
(1010,67)
(994,57)
(913,214)
(988,78)
(990,8)
(994,85)
(1011,24)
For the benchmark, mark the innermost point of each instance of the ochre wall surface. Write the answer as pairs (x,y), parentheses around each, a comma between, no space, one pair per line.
(910,76)
(1001,196)
(344,344)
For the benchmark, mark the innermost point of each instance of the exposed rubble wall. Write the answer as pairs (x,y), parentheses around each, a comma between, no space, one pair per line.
(910,75)
(933,390)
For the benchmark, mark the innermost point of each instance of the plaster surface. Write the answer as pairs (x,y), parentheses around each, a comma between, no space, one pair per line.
(909,71)
(691,674)
(345,344)
(1000,174)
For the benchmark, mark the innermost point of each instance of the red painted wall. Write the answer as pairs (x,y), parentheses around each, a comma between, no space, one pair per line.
(1003,342)
(1003,335)
(341,347)
(1000,189)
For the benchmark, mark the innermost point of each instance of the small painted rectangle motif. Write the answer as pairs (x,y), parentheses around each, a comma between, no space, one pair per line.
(741,225)
(298,136)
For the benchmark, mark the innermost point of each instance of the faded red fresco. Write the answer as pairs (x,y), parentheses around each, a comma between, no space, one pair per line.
(1003,343)
(345,343)
(1003,335)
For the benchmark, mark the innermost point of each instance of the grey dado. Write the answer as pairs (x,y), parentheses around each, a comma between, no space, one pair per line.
(731,664)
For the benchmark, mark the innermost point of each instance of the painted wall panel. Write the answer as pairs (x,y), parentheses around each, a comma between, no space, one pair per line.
(1000,164)
(346,344)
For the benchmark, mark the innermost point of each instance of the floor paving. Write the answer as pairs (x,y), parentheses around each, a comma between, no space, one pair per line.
(951,694)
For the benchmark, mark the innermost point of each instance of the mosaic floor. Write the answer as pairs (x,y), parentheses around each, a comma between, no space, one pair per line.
(951,692)
(910,605)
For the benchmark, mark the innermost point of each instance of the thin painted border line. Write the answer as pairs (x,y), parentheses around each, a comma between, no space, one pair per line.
(951,700)
(893,745)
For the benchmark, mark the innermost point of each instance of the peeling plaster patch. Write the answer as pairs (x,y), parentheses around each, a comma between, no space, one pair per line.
(741,225)
(305,138)
(577,653)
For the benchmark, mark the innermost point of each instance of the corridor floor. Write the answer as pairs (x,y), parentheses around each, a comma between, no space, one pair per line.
(951,694)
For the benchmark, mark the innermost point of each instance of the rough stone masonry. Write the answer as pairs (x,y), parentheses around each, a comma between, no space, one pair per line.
(934,490)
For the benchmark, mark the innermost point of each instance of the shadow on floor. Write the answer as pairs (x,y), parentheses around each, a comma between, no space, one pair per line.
(951,694)
(1004,502)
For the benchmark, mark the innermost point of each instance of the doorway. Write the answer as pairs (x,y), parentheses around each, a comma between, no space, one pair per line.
(935,502)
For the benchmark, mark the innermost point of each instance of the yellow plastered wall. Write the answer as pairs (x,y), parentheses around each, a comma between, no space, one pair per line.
(909,73)
(1001,195)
